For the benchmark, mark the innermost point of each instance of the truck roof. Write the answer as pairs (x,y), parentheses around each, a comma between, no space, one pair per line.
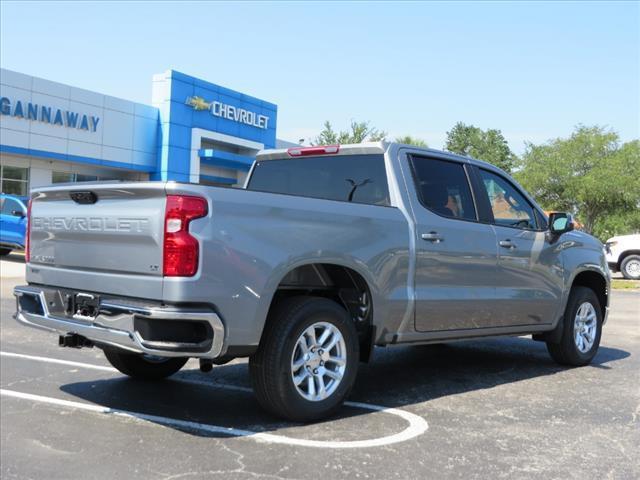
(366,148)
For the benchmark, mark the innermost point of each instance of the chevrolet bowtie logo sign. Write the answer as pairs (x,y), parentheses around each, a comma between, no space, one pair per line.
(236,114)
(198,103)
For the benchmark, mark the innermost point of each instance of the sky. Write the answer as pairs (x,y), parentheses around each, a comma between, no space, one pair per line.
(534,70)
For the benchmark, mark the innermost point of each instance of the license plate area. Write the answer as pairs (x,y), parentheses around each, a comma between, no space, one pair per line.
(83,306)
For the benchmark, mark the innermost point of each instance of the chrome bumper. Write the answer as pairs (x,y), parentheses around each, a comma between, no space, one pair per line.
(43,308)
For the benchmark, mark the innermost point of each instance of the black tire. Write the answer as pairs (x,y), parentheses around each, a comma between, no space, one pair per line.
(626,267)
(567,352)
(4,252)
(141,367)
(270,366)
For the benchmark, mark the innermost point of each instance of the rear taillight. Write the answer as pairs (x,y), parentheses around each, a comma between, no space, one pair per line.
(27,241)
(304,151)
(181,250)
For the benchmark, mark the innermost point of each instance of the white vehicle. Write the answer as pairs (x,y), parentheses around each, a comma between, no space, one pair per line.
(623,255)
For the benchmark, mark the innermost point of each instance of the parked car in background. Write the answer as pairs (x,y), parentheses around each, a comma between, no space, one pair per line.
(13,223)
(623,255)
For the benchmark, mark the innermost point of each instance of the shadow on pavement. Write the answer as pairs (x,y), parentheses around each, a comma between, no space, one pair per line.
(397,377)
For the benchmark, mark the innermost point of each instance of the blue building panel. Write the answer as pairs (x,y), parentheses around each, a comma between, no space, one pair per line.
(174,163)
(225,159)
(195,103)
(180,89)
(176,135)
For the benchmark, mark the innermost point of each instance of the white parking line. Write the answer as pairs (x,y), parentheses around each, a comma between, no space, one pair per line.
(58,361)
(417,425)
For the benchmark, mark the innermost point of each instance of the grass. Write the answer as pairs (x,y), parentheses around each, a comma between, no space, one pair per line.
(618,284)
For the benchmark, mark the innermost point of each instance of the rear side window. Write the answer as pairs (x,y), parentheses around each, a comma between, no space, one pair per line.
(443,187)
(346,178)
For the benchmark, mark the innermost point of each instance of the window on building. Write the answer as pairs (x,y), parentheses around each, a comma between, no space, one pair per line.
(85,178)
(14,180)
(347,178)
(69,177)
(443,187)
(61,177)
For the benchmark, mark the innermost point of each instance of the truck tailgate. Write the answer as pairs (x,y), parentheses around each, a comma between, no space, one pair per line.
(107,245)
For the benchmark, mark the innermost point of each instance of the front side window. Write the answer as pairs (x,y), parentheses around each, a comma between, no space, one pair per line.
(509,207)
(346,178)
(443,187)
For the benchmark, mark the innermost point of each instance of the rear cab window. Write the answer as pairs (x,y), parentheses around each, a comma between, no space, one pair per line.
(345,178)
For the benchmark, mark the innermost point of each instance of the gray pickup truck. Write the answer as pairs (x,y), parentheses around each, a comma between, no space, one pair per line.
(326,253)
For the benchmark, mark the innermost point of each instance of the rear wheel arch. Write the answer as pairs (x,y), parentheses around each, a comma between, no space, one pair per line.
(342,284)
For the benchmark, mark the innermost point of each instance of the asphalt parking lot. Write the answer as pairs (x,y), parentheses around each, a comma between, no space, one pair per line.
(493,408)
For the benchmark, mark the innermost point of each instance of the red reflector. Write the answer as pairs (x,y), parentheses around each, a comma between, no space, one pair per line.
(181,250)
(322,150)
(27,241)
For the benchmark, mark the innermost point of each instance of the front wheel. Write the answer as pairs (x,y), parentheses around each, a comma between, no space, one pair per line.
(143,367)
(307,360)
(630,267)
(582,329)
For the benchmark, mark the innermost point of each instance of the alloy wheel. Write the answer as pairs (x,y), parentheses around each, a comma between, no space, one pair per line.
(318,361)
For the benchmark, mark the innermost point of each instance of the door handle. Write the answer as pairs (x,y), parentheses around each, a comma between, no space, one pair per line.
(507,244)
(433,237)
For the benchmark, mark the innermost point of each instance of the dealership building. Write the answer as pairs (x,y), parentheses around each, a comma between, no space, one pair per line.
(194,131)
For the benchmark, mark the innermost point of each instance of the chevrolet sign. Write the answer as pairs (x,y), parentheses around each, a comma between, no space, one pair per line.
(236,114)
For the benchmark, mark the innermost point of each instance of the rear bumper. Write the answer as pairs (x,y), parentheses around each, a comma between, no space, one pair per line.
(125,323)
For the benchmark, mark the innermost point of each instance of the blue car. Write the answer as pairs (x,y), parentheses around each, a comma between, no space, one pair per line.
(13,223)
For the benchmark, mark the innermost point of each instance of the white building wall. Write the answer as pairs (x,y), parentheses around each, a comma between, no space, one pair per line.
(126,132)
(38,177)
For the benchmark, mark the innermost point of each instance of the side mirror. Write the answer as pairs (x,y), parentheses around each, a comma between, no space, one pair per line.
(560,223)
(18,213)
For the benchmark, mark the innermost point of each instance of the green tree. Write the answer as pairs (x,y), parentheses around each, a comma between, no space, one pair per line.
(589,174)
(409,140)
(488,145)
(359,132)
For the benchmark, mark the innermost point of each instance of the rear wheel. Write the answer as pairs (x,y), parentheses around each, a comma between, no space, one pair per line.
(144,367)
(307,360)
(582,329)
(630,267)
(4,252)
